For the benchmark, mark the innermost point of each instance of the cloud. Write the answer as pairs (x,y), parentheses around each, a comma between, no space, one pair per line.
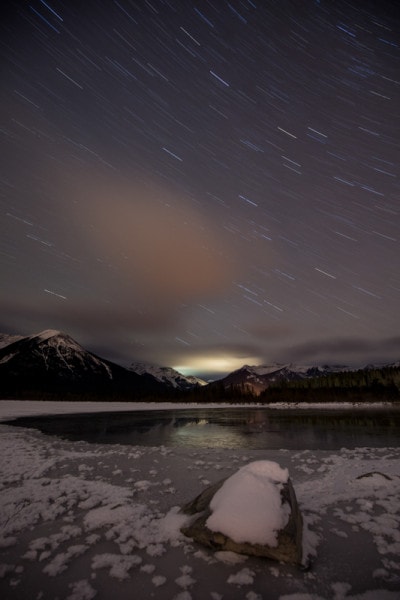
(69,316)
(156,248)
(131,259)
(236,349)
(212,360)
(350,351)
(271,331)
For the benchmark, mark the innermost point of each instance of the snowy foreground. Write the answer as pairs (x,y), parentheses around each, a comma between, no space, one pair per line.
(81,521)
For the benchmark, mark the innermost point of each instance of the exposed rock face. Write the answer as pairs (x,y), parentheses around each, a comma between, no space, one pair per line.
(288,546)
(52,362)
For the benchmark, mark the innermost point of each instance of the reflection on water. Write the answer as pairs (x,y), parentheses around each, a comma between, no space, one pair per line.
(257,428)
(210,436)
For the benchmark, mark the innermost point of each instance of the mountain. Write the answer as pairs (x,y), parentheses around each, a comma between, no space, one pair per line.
(6,339)
(52,362)
(257,378)
(168,376)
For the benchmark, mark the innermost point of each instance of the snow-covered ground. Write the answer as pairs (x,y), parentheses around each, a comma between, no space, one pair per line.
(10,409)
(82,521)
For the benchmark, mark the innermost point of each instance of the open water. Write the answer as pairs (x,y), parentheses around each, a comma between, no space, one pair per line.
(253,428)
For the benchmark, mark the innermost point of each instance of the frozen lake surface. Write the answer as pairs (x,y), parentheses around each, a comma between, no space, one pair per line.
(252,428)
(86,520)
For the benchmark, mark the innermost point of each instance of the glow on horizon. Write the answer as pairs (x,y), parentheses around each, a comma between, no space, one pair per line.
(216,364)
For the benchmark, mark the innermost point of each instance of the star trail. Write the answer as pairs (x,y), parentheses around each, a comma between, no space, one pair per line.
(203,184)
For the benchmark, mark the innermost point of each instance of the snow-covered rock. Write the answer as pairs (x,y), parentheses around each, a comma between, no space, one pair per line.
(252,512)
(55,542)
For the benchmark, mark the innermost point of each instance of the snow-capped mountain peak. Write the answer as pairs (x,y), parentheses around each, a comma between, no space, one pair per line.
(54,362)
(55,351)
(53,336)
(167,375)
(48,333)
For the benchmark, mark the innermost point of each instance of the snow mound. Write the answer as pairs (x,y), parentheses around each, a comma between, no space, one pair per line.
(248,507)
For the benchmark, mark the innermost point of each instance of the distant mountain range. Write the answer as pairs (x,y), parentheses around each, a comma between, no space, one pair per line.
(167,375)
(256,379)
(52,363)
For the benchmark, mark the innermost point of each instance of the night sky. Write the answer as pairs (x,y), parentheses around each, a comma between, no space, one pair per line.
(203,184)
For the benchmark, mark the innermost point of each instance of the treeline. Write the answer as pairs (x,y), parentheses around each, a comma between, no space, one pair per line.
(216,392)
(213,393)
(353,386)
(364,385)
(76,395)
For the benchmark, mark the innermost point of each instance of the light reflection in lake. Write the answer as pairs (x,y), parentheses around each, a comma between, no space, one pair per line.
(207,435)
(258,428)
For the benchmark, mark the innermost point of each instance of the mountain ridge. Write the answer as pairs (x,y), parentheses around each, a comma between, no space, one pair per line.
(52,362)
(167,375)
(258,378)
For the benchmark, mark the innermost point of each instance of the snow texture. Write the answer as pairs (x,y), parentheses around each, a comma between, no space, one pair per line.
(75,525)
(248,506)
(167,375)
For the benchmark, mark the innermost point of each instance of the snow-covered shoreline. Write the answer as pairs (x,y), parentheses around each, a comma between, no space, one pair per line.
(12,409)
(82,521)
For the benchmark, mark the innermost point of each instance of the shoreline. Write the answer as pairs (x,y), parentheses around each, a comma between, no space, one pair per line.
(13,409)
(89,520)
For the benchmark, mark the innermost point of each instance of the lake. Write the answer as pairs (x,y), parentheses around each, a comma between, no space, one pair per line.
(253,428)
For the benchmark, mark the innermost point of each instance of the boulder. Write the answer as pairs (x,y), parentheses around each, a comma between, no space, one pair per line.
(247,507)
